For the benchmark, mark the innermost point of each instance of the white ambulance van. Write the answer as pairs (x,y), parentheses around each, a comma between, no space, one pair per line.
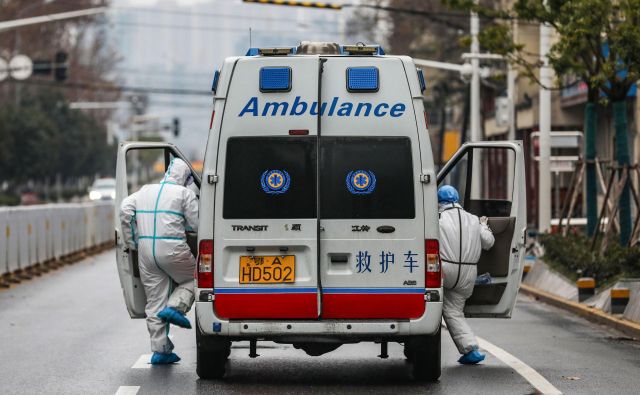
(318,209)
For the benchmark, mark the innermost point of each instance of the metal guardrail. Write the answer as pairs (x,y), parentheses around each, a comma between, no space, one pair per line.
(35,236)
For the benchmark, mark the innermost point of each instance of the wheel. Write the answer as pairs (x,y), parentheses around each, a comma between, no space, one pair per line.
(424,352)
(212,353)
(407,352)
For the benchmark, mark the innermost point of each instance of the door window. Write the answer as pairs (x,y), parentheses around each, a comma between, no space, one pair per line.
(484,178)
(146,166)
(270,177)
(366,178)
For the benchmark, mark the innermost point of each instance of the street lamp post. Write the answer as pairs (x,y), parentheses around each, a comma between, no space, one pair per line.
(512,76)
(544,173)
(476,134)
(12,24)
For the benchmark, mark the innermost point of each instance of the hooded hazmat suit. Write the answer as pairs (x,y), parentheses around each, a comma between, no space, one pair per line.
(462,239)
(154,221)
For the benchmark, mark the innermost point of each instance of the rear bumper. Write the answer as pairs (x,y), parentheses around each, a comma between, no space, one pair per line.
(355,329)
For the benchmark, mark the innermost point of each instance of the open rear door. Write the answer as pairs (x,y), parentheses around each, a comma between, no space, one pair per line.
(139,163)
(490,179)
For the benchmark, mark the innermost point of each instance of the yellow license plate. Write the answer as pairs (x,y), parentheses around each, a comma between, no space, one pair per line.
(267,269)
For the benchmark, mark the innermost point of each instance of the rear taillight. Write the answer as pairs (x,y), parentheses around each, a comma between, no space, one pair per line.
(205,264)
(433,277)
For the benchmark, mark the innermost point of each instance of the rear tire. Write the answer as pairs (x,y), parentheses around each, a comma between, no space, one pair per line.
(212,353)
(424,352)
(407,352)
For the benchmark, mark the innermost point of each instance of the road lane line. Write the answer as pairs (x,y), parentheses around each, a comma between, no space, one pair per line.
(524,370)
(128,390)
(143,362)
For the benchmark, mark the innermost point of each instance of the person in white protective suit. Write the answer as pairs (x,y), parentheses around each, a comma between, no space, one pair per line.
(463,236)
(154,221)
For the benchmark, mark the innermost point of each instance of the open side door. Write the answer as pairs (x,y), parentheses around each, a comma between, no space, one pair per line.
(139,163)
(490,179)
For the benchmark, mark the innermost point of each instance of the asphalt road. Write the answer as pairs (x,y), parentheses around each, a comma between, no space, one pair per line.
(68,332)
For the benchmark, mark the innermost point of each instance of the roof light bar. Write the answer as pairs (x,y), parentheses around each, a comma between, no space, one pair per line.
(276,51)
(363,50)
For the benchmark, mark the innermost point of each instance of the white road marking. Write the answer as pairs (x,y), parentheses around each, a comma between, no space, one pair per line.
(128,390)
(524,370)
(143,362)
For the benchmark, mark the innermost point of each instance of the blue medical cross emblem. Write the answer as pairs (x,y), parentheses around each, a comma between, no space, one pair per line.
(275,181)
(361,182)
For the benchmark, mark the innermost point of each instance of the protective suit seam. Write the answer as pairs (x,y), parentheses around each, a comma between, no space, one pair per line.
(162,237)
(133,231)
(155,216)
(179,214)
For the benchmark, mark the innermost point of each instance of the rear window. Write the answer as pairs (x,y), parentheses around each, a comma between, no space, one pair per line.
(270,177)
(366,178)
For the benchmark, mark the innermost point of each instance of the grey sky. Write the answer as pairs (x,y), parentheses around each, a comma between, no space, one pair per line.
(179,44)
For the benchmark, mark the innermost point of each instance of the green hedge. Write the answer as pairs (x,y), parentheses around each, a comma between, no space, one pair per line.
(572,256)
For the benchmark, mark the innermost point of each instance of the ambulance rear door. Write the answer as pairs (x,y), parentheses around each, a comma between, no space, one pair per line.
(372,244)
(265,227)
(490,180)
(139,163)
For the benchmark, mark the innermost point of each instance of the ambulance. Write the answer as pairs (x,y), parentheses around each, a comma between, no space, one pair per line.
(318,209)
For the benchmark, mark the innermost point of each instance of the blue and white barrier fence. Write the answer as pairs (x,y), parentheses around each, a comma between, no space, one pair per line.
(33,235)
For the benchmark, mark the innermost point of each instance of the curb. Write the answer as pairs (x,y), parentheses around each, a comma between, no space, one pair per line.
(592,314)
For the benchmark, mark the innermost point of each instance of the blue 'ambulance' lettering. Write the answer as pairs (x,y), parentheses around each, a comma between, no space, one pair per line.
(335,108)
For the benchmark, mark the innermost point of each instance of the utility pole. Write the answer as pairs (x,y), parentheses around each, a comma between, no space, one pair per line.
(475,77)
(512,95)
(544,173)
(475,134)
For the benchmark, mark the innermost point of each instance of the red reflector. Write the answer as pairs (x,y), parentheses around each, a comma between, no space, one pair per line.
(205,264)
(433,275)
(299,132)
(213,114)
(426,124)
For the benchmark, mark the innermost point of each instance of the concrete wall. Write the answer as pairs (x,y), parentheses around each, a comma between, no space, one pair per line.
(36,234)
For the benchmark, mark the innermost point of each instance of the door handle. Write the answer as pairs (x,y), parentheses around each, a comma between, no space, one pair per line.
(386,229)
(339,258)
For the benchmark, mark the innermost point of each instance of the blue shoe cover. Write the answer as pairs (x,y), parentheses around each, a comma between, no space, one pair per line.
(471,358)
(164,359)
(173,316)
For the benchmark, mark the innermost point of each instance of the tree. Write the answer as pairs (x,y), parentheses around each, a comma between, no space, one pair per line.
(425,30)
(42,138)
(597,41)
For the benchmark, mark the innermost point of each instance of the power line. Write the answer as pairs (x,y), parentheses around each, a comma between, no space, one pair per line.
(201,14)
(218,29)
